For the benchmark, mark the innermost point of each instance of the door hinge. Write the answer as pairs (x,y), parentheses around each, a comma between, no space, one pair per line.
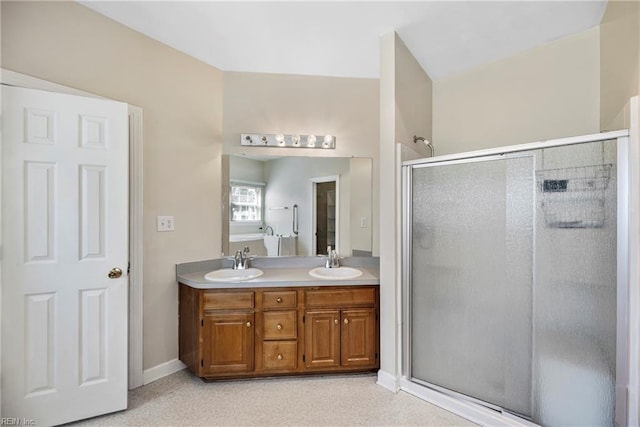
(128,268)
(202,362)
(302,319)
(201,322)
(303,358)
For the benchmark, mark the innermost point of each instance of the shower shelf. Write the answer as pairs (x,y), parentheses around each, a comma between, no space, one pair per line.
(584,178)
(574,197)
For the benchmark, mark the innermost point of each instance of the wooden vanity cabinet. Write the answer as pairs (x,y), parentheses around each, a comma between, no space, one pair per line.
(216,331)
(322,339)
(277,351)
(358,338)
(227,343)
(228,329)
(252,332)
(342,333)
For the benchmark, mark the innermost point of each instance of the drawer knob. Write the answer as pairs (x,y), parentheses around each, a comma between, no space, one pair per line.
(280,357)
(279,327)
(278,300)
(248,324)
(346,321)
(336,321)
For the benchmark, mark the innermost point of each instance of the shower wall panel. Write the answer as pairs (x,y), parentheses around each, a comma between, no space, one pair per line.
(574,316)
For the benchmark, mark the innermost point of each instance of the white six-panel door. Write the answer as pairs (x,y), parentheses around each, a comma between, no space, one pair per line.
(64,229)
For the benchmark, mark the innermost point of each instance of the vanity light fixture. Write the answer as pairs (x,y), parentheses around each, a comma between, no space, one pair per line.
(311,141)
(289,141)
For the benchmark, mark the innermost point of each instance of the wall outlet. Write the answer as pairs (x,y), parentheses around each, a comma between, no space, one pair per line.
(363,222)
(166,223)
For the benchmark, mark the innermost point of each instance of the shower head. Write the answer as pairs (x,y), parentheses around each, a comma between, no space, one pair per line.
(426,142)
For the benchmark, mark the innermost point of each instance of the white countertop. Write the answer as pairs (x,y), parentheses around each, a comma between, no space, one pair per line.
(280,277)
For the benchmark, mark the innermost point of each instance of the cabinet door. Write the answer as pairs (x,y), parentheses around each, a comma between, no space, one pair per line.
(227,343)
(358,337)
(322,338)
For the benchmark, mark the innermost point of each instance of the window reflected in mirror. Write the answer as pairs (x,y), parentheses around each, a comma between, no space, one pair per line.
(245,202)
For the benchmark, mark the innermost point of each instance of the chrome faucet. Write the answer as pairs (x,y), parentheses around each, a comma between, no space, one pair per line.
(241,259)
(266,230)
(335,259)
(332,260)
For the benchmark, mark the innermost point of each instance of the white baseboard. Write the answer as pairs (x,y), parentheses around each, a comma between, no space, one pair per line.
(162,370)
(388,381)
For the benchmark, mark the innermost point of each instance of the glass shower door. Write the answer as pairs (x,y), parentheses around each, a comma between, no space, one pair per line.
(471,294)
(512,294)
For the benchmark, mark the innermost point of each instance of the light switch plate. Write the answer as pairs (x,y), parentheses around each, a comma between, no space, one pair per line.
(165,223)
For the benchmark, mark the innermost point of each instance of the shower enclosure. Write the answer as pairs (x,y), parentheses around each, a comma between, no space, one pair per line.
(511,297)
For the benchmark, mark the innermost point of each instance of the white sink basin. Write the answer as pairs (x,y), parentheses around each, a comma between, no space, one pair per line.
(339,273)
(231,275)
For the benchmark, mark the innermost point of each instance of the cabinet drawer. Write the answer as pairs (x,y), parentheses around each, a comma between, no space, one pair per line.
(279,299)
(225,300)
(280,355)
(280,325)
(340,297)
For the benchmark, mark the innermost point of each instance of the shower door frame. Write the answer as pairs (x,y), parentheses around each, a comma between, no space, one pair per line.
(627,315)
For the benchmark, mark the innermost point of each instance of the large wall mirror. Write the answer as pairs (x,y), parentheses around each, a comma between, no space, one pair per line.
(297,206)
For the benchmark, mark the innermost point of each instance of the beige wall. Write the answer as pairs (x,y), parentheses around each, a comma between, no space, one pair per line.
(279,103)
(66,43)
(619,62)
(388,196)
(413,99)
(548,92)
(403,113)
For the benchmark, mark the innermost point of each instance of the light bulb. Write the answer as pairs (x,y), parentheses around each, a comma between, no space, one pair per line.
(328,140)
(280,139)
(311,141)
(295,140)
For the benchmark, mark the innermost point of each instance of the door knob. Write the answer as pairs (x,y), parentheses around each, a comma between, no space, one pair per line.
(114,273)
(346,321)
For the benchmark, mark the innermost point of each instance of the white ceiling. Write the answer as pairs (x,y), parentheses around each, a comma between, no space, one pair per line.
(342,38)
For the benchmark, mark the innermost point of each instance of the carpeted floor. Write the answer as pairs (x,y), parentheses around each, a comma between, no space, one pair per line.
(182,399)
